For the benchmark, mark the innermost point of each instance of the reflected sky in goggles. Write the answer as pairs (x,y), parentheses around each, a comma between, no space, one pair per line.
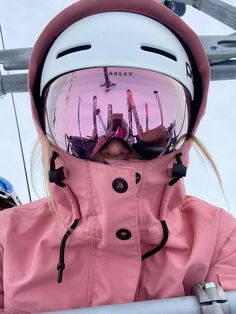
(86,108)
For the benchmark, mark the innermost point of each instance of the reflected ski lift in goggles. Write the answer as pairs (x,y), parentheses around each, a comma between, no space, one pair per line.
(8,197)
(85,109)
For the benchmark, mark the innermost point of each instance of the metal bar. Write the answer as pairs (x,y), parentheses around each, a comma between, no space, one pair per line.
(220,10)
(219,48)
(13,83)
(17,83)
(180,305)
(15,59)
(223,12)
(223,71)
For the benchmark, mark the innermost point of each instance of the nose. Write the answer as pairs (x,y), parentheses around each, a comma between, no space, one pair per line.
(115,148)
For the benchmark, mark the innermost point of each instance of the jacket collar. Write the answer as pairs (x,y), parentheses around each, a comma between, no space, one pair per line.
(90,189)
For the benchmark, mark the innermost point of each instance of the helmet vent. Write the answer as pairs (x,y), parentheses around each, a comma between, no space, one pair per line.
(159,52)
(72,50)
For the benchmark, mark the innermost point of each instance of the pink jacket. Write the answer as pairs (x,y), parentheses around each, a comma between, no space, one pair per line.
(100,267)
(103,256)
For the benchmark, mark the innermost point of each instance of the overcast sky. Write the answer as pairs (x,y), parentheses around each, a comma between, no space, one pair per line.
(22,21)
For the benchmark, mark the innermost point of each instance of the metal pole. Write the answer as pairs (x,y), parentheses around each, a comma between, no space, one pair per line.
(223,71)
(17,83)
(13,83)
(15,59)
(180,305)
(219,48)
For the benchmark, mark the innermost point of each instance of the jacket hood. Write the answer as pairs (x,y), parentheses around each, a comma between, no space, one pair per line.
(159,171)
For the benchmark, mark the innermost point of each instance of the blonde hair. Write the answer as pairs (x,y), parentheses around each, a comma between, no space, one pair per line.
(200,147)
(37,173)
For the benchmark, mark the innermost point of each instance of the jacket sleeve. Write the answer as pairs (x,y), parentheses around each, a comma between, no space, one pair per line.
(223,266)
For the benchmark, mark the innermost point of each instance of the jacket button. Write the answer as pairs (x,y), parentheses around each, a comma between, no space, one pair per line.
(123,234)
(120,185)
(137,177)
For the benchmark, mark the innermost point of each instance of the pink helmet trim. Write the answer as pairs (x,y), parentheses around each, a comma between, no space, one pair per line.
(149,8)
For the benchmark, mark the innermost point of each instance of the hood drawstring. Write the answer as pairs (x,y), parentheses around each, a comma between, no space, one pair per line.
(179,171)
(61,263)
(162,243)
(57,176)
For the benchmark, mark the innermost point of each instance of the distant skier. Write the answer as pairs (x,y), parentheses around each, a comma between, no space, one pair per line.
(8,197)
(118,89)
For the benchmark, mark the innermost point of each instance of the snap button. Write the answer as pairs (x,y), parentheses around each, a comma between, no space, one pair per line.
(137,177)
(123,234)
(120,185)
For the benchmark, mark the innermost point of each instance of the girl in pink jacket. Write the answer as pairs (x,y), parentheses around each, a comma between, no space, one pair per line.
(118,89)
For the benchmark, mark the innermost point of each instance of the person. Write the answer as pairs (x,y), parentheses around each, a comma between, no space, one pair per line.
(8,197)
(118,89)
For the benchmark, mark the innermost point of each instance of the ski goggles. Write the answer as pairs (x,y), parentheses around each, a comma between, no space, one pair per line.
(85,109)
(8,197)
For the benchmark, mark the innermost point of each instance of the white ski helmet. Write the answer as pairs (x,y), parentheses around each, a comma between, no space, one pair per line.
(144,35)
(121,39)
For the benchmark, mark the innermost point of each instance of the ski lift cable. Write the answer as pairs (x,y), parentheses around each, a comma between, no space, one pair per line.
(18,128)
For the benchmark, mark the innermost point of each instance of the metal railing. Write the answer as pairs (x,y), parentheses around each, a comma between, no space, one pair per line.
(180,305)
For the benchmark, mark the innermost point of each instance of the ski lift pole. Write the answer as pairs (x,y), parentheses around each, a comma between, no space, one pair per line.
(159,105)
(95,130)
(109,115)
(146,115)
(132,106)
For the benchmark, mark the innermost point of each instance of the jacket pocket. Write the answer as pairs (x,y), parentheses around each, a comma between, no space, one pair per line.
(228,282)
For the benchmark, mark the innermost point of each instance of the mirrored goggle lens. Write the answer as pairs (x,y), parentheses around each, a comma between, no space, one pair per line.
(86,108)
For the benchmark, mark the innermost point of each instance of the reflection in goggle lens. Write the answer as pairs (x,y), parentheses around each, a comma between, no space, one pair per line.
(150,126)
